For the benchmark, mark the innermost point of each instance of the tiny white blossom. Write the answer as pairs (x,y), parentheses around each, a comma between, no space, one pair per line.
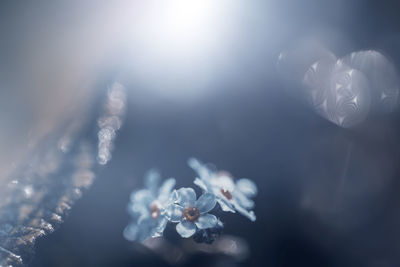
(147,208)
(230,196)
(191,214)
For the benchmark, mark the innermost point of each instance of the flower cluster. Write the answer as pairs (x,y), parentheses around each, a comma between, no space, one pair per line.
(154,206)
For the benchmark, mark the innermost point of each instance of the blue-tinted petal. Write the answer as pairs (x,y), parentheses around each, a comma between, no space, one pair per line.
(226,205)
(146,228)
(247,187)
(206,202)
(243,200)
(186,229)
(138,208)
(161,224)
(206,221)
(143,216)
(249,214)
(174,213)
(186,197)
(152,180)
(174,196)
(164,193)
(159,228)
(202,171)
(200,183)
(131,232)
(142,196)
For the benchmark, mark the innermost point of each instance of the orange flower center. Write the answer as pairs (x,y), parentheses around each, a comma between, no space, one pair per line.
(191,214)
(154,211)
(226,194)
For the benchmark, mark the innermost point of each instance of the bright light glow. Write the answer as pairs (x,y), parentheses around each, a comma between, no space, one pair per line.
(179,43)
(180,27)
(187,19)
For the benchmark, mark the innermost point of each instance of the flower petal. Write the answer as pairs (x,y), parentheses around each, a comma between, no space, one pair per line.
(160,227)
(174,196)
(206,221)
(249,214)
(152,180)
(226,205)
(164,193)
(186,197)
(247,187)
(174,213)
(143,196)
(206,202)
(131,232)
(200,169)
(138,209)
(243,200)
(186,229)
(200,183)
(146,228)
(143,217)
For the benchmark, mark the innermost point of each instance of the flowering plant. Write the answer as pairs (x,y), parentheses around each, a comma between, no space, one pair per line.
(154,206)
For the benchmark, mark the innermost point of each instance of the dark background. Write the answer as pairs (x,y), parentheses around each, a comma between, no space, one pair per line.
(311,209)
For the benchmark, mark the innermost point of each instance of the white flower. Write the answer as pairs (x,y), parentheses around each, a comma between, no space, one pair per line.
(230,196)
(191,214)
(147,207)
